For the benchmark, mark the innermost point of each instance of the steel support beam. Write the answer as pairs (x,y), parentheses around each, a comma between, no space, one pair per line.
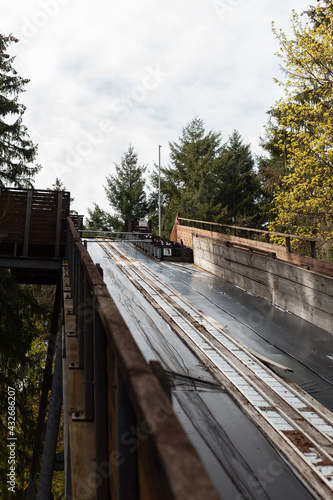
(45,391)
(127,471)
(30,264)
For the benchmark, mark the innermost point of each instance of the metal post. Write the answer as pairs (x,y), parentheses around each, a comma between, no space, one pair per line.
(80,311)
(103,466)
(88,353)
(159,191)
(51,434)
(127,471)
(58,225)
(47,381)
(313,249)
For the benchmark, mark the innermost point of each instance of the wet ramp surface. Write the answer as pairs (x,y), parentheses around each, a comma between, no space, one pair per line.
(241,461)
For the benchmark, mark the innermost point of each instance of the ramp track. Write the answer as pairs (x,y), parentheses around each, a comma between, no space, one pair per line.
(299,427)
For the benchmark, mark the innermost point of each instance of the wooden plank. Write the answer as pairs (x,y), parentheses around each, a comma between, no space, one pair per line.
(253,273)
(185,233)
(304,310)
(178,462)
(27,223)
(81,449)
(314,289)
(281,269)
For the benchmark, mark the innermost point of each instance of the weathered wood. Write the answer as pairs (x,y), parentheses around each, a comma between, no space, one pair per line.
(246,229)
(281,270)
(325,268)
(81,433)
(164,446)
(302,292)
(35,219)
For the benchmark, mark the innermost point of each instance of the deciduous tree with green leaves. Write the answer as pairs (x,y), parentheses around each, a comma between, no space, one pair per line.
(303,118)
(17,152)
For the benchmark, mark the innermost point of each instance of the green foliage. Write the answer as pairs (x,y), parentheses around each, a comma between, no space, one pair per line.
(16,149)
(126,190)
(208,180)
(303,128)
(100,220)
(239,188)
(60,186)
(24,326)
(319,13)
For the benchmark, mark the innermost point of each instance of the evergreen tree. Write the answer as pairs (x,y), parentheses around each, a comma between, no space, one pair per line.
(239,188)
(17,151)
(100,220)
(24,325)
(208,180)
(189,184)
(126,190)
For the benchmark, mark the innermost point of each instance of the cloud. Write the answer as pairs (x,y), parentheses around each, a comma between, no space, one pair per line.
(105,74)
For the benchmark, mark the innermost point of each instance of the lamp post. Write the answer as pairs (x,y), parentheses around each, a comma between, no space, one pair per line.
(159,191)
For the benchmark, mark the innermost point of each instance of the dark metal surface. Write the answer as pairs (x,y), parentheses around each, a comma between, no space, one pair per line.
(101,409)
(126,443)
(252,469)
(277,334)
(169,467)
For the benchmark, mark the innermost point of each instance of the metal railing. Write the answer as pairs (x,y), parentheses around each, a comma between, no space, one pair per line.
(138,438)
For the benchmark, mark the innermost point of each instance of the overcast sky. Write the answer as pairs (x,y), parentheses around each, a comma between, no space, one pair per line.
(104,74)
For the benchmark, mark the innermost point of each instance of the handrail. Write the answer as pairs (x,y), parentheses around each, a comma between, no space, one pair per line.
(164,460)
(250,231)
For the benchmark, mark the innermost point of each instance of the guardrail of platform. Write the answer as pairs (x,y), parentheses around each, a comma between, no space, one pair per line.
(250,233)
(141,450)
(116,236)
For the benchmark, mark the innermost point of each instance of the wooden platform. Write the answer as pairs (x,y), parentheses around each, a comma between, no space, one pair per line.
(33,228)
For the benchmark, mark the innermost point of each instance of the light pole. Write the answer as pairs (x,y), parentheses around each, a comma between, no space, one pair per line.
(159,191)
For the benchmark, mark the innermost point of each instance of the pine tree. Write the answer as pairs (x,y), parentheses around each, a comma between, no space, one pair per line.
(126,190)
(17,151)
(240,191)
(100,220)
(208,180)
(189,184)
(24,326)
